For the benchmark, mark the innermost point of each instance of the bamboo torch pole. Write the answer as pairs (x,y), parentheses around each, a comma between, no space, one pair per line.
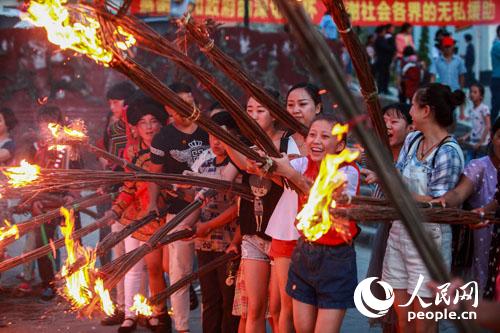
(321,63)
(361,64)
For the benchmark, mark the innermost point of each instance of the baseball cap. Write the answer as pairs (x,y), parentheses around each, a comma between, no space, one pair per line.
(447,41)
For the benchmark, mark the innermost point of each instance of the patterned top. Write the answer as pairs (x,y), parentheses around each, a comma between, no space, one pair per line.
(444,165)
(133,197)
(115,140)
(483,174)
(218,239)
(478,125)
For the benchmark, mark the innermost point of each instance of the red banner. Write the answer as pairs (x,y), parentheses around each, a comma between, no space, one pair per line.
(426,12)
(363,12)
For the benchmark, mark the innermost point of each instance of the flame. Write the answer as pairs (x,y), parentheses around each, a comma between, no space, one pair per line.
(8,231)
(339,130)
(75,131)
(22,175)
(54,129)
(77,287)
(106,303)
(76,31)
(129,39)
(141,306)
(320,198)
(59,148)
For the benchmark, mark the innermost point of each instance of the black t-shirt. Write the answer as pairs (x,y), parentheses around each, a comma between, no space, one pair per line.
(254,215)
(177,151)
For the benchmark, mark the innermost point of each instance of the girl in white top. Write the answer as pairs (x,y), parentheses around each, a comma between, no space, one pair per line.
(303,101)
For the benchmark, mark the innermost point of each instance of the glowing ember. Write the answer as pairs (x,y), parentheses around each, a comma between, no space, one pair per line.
(314,219)
(77,288)
(141,306)
(76,31)
(53,248)
(8,231)
(22,175)
(106,303)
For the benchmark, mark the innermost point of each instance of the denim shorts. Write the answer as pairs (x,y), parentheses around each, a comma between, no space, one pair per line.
(323,276)
(255,248)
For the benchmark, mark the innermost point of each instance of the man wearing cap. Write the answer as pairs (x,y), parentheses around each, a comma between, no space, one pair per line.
(448,68)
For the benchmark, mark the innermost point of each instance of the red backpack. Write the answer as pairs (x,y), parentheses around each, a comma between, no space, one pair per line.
(410,78)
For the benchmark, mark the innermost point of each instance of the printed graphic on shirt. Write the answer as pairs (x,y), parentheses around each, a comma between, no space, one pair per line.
(189,155)
(260,187)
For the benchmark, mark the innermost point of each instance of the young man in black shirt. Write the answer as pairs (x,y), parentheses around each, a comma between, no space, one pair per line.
(174,150)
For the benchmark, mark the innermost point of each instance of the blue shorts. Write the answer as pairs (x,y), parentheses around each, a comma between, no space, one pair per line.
(323,276)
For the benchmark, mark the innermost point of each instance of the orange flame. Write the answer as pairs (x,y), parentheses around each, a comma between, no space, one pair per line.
(79,32)
(141,306)
(22,175)
(77,288)
(320,198)
(75,131)
(106,303)
(8,231)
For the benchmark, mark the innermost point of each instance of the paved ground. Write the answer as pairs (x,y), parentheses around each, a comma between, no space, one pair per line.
(26,314)
(29,314)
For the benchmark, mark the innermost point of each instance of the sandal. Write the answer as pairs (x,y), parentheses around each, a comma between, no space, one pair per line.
(128,329)
(162,323)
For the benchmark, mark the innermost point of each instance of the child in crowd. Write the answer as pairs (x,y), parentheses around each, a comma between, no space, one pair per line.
(174,150)
(254,218)
(215,232)
(7,147)
(65,157)
(399,124)
(147,116)
(322,275)
(477,139)
(410,74)
(114,141)
(303,102)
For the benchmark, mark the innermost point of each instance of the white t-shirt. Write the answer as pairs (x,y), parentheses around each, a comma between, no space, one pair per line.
(282,222)
(478,124)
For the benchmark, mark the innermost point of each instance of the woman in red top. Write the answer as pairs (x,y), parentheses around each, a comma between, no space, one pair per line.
(323,275)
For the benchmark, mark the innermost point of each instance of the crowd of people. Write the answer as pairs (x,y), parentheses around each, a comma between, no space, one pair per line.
(293,283)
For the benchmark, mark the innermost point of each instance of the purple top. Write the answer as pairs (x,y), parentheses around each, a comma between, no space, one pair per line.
(483,174)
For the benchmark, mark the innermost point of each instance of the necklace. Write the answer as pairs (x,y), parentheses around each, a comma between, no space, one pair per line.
(426,152)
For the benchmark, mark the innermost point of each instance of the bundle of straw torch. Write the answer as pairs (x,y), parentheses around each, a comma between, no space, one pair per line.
(28,178)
